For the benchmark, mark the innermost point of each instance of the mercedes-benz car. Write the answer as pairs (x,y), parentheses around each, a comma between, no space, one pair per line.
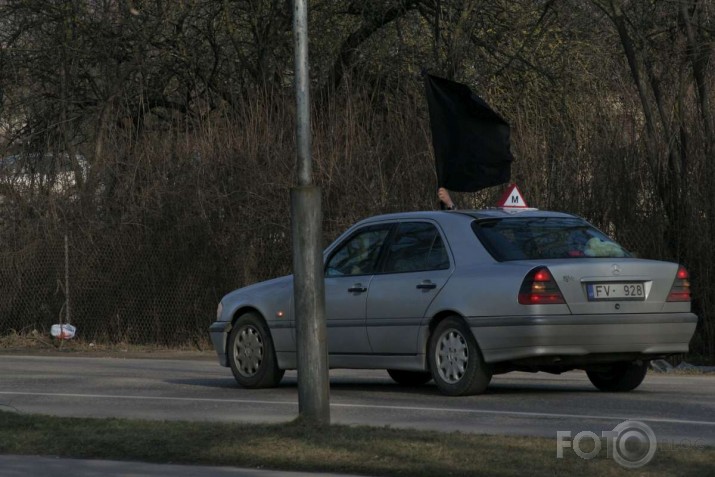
(458,296)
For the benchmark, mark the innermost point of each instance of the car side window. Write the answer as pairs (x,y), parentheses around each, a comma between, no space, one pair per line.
(359,255)
(417,246)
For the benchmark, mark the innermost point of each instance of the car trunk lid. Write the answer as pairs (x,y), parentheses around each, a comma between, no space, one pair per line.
(603,286)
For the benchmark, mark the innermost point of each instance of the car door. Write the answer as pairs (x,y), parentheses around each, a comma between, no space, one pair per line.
(415,268)
(349,273)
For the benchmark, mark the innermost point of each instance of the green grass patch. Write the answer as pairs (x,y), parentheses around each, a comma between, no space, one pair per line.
(343,449)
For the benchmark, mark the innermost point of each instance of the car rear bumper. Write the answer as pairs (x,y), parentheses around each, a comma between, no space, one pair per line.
(219,334)
(517,337)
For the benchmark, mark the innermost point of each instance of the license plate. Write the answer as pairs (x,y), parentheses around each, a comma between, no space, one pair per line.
(615,291)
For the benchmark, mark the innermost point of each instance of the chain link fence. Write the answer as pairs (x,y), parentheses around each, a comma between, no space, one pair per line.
(115,290)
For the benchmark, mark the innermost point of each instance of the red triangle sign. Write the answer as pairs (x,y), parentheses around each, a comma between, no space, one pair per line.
(512,198)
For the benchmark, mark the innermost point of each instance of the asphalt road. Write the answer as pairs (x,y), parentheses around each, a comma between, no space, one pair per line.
(679,408)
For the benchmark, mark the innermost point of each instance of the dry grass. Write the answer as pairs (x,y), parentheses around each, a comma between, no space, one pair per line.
(38,342)
(356,450)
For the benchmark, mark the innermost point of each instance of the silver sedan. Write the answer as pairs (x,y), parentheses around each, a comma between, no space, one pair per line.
(457,296)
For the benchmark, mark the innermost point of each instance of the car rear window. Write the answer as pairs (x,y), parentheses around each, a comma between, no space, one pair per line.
(544,238)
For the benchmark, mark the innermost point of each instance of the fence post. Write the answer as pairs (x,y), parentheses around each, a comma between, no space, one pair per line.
(68,313)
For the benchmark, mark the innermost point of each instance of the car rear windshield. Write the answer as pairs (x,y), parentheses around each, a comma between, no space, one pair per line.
(543,238)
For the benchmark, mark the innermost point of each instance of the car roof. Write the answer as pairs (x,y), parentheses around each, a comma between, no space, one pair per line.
(503,212)
(497,212)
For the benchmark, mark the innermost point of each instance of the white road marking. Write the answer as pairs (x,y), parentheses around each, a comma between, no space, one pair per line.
(531,414)
(147,398)
(370,406)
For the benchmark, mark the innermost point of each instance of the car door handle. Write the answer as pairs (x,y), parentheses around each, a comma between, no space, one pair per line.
(357,288)
(427,285)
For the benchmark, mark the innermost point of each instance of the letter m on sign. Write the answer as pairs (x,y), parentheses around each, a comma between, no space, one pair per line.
(512,198)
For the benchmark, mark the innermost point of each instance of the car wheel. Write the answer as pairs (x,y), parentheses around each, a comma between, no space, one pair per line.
(455,360)
(251,354)
(619,377)
(409,378)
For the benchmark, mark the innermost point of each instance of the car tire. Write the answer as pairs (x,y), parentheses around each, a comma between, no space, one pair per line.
(251,354)
(456,363)
(409,378)
(619,377)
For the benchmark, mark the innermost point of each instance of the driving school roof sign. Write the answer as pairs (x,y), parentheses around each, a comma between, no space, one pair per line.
(512,199)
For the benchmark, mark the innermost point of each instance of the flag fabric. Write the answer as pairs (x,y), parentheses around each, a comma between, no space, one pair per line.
(470,140)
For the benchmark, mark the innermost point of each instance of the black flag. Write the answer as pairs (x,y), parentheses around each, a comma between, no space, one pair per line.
(471,142)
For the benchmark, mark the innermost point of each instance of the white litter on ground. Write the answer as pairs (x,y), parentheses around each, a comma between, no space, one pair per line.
(63,332)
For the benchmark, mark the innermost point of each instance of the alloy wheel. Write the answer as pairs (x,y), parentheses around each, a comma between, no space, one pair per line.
(248,352)
(451,356)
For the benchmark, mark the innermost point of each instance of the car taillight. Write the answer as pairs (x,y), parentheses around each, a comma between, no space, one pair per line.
(539,288)
(680,291)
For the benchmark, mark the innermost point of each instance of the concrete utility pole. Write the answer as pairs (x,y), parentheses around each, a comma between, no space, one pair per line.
(308,284)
